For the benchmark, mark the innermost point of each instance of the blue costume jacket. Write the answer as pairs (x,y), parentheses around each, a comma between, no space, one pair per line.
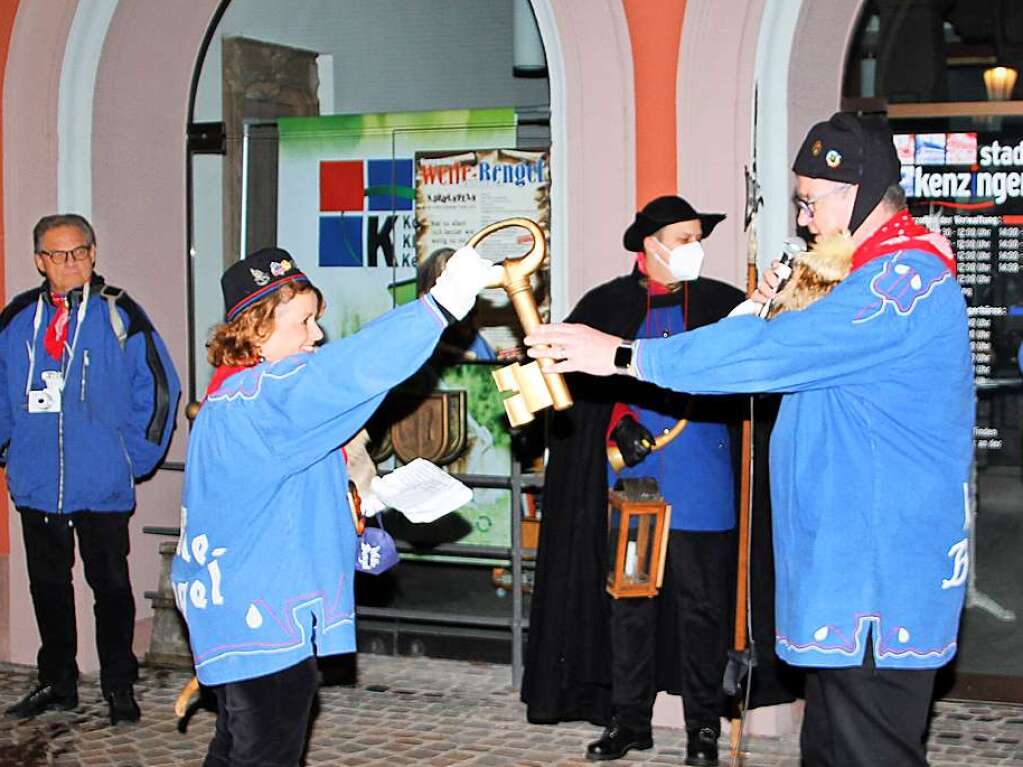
(870,456)
(118,405)
(266,558)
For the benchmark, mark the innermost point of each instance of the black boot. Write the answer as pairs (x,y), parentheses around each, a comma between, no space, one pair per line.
(123,707)
(616,743)
(702,747)
(45,697)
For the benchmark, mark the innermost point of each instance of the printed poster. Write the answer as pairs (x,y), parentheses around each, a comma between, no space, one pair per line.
(460,193)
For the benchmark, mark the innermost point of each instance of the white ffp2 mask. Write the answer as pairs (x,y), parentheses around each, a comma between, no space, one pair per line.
(684,261)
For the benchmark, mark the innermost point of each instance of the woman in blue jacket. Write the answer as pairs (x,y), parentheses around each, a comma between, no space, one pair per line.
(265,562)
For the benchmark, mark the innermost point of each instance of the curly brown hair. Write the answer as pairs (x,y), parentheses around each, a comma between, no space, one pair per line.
(237,342)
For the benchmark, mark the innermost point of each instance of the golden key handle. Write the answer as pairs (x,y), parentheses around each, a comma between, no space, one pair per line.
(515,281)
(516,270)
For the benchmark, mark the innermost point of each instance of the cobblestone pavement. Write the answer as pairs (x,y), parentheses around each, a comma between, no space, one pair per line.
(424,712)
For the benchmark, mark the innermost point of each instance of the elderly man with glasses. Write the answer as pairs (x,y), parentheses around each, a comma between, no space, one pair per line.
(870,456)
(88,397)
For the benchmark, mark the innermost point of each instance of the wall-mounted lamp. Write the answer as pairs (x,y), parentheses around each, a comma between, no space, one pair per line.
(528,57)
(999,82)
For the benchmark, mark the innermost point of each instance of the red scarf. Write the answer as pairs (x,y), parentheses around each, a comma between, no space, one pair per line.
(654,288)
(220,375)
(901,232)
(55,337)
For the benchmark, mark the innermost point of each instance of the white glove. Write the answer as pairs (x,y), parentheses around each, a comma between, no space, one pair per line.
(464,276)
(371,505)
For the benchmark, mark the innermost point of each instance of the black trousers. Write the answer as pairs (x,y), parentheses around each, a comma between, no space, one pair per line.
(50,552)
(866,716)
(262,722)
(694,610)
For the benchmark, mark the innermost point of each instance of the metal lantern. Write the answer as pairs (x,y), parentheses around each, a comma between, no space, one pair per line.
(637,533)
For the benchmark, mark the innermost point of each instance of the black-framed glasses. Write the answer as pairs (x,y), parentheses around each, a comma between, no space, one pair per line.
(61,256)
(805,206)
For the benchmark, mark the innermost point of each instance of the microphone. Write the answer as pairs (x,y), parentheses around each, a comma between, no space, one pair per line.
(791,248)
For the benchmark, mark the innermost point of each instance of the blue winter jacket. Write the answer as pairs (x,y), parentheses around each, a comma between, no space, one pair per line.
(118,410)
(266,558)
(870,456)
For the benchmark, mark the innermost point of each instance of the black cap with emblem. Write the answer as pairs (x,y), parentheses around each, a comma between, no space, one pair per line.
(256,276)
(851,149)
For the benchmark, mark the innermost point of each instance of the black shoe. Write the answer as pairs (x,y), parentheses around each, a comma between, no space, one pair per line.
(702,748)
(616,743)
(45,697)
(123,707)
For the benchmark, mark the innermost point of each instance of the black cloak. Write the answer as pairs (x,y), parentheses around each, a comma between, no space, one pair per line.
(568,654)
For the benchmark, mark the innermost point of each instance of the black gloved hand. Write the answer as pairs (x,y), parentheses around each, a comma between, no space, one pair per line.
(633,439)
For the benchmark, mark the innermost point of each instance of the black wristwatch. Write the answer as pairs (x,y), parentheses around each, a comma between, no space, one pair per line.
(624,357)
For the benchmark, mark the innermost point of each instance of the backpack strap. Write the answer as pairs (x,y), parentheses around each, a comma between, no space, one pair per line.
(111,294)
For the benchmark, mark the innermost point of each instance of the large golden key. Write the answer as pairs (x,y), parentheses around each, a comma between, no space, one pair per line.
(531,387)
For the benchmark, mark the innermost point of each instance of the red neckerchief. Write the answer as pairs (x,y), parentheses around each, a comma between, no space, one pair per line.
(55,337)
(653,288)
(901,232)
(220,375)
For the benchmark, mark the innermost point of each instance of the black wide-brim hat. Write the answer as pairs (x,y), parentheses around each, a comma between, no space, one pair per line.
(257,276)
(661,212)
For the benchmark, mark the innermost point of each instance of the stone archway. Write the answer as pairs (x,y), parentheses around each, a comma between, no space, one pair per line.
(794,54)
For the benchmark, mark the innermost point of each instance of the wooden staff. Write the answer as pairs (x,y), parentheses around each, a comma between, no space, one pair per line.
(741,639)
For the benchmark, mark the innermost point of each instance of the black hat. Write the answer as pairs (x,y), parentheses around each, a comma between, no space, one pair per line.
(658,213)
(852,150)
(257,276)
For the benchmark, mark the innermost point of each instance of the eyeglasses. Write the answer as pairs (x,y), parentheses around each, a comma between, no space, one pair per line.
(805,206)
(61,256)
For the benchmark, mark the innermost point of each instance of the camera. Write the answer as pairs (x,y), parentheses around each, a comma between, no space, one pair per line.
(47,400)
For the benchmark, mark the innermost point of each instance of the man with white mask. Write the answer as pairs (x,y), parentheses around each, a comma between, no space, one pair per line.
(678,640)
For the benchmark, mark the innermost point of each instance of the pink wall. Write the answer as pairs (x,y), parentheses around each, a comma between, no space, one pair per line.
(30,167)
(817,64)
(599,116)
(138,197)
(714,85)
(8,11)
(138,170)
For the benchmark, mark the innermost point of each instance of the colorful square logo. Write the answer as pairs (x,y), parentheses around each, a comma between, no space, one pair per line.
(349,191)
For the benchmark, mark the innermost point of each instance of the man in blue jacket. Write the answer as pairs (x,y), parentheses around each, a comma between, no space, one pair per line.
(870,455)
(88,398)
